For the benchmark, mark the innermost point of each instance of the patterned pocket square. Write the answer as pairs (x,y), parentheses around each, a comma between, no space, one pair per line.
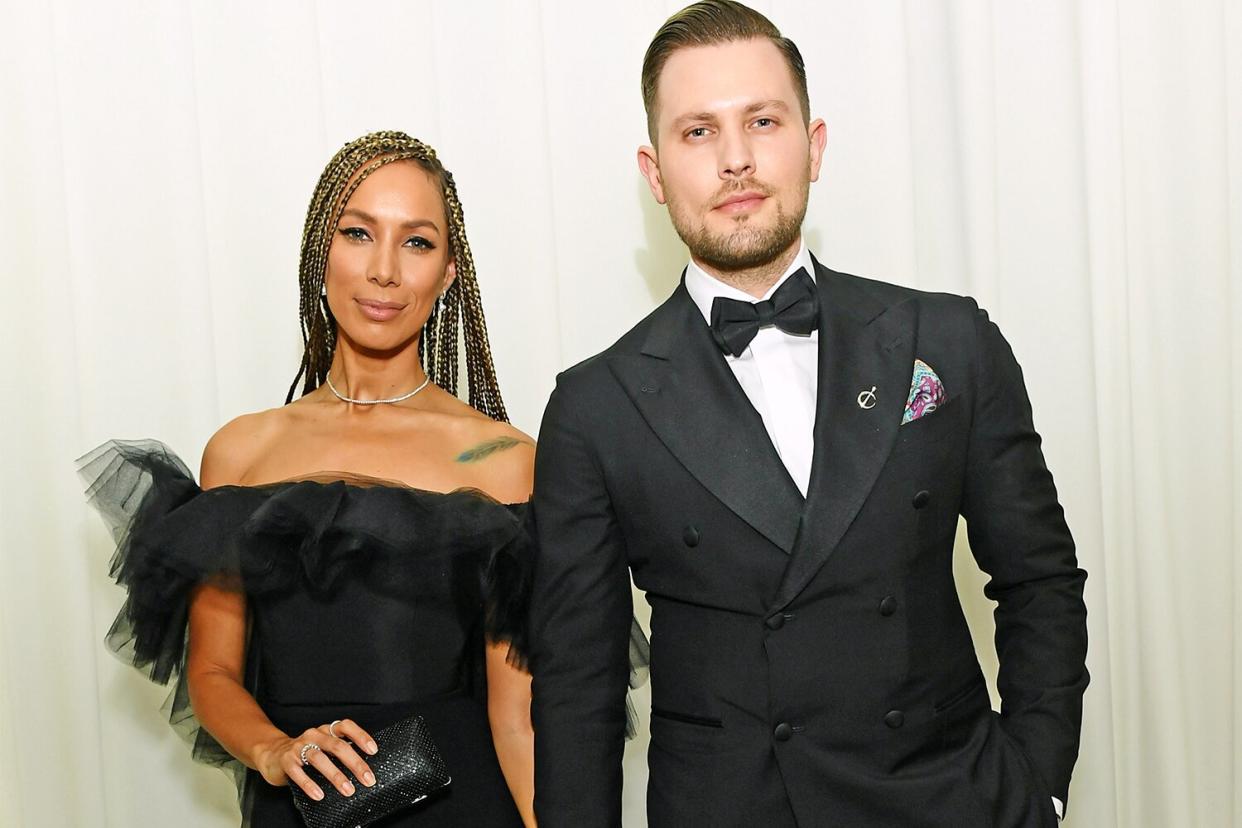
(926,393)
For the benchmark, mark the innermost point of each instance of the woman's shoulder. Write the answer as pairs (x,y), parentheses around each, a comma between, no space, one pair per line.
(233,450)
(489,439)
(498,455)
(504,455)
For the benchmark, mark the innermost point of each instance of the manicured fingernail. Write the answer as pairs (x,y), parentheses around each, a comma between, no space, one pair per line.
(316,794)
(368,778)
(372,747)
(348,788)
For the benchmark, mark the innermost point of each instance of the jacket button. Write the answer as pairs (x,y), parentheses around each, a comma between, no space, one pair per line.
(783,732)
(922,499)
(894,719)
(690,536)
(775,622)
(888,605)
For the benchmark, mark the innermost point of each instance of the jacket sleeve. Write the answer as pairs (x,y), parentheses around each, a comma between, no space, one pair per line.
(1019,537)
(581,613)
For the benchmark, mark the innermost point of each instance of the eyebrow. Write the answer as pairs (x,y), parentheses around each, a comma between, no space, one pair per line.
(690,117)
(409,225)
(762,105)
(710,117)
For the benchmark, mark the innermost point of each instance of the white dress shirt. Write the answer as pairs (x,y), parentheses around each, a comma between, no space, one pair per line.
(778,371)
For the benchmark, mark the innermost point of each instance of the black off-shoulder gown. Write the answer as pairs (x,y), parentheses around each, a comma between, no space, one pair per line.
(368,600)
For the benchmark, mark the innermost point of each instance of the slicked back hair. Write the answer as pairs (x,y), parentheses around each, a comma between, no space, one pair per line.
(711,23)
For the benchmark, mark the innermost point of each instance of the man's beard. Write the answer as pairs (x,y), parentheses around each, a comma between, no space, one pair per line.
(747,247)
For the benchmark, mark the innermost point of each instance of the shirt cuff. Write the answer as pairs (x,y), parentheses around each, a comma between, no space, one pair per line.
(1060,808)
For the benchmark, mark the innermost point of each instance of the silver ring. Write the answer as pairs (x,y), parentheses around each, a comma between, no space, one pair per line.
(307,748)
(332,729)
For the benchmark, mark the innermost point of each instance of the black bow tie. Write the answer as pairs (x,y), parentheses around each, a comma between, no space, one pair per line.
(794,308)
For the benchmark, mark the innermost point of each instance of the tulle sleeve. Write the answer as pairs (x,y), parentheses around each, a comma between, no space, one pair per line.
(139,488)
(507,590)
(507,583)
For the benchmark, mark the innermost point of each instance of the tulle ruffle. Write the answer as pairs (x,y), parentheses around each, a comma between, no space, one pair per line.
(134,486)
(172,536)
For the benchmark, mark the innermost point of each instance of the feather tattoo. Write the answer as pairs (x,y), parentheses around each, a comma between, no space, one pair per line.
(486,449)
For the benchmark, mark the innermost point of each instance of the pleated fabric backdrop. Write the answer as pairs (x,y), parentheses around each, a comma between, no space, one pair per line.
(1075,166)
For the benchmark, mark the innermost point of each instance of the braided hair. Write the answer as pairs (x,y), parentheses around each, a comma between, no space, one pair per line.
(438,345)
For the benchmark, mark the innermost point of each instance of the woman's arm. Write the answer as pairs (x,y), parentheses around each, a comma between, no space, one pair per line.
(221,702)
(507,470)
(215,665)
(508,711)
(214,672)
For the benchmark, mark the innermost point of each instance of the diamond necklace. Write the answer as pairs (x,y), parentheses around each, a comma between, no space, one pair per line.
(344,398)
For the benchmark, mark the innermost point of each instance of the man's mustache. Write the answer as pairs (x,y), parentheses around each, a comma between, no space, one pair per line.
(733,188)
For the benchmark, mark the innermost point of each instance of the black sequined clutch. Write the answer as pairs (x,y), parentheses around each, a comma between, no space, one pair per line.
(408,768)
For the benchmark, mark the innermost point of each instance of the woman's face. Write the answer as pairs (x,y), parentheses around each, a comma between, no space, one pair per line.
(389,258)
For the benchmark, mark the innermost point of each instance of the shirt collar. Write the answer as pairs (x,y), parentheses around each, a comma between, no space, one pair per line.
(704,288)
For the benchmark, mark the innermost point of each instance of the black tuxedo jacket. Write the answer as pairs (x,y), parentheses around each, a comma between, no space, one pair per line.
(810,662)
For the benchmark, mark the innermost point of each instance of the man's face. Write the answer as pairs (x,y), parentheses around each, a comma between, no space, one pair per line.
(735,159)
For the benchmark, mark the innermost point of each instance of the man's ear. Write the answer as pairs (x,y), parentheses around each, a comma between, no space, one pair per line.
(649,166)
(818,133)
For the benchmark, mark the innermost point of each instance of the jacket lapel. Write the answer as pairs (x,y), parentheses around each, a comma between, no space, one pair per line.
(685,391)
(862,344)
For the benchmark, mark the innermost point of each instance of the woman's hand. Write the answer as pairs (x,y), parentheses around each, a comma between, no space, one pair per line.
(280,760)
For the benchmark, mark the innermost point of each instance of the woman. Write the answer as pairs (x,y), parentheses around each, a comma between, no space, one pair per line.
(348,561)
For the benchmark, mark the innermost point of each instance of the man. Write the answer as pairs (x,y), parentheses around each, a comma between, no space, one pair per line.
(779,454)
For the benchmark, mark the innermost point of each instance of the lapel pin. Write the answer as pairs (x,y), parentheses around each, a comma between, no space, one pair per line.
(866,399)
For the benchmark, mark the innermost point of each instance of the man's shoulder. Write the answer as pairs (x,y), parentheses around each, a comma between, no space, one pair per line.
(948,324)
(888,294)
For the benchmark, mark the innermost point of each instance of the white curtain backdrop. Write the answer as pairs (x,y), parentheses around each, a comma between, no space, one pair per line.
(1075,166)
